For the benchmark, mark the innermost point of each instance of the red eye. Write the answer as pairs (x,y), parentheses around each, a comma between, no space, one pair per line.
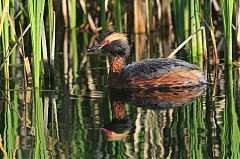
(105,42)
(109,133)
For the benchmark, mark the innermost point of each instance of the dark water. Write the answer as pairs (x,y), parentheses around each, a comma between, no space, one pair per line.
(95,122)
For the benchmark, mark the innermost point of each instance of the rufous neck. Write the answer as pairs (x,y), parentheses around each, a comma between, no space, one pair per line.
(118,110)
(117,63)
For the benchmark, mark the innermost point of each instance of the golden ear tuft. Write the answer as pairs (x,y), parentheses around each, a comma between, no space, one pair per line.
(117,36)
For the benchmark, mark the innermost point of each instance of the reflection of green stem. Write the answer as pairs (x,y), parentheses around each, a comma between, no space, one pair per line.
(79,122)
(194,124)
(40,146)
(231,134)
(15,118)
(180,131)
(174,132)
(208,116)
(9,142)
(77,139)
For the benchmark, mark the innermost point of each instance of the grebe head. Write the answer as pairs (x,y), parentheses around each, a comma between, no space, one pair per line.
(113,42)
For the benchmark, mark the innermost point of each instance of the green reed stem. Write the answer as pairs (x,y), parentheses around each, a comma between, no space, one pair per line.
(84,15)
(5,37)
(50,24)
(178,8)
(198,26)
(193,29)
(74,38)
(186,19)
(74,14)
(103,16)
(119,15)
(207,17)
(36,11)
(227,10)
(75,53)
(150,8)
(85,36)
(12,38)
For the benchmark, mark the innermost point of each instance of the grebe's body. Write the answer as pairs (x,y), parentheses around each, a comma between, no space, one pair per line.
(161,72)
(146,74)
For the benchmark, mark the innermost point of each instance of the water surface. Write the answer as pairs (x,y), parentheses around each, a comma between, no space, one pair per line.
(95,122)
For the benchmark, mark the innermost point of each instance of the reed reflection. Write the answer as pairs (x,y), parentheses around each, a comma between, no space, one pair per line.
(119,127)
(153,124)
(230,134)
(154,99)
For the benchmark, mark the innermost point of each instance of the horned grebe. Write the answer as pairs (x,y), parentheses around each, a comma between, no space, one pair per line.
(150,73)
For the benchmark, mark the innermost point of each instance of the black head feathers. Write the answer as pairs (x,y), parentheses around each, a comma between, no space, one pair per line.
(113,42)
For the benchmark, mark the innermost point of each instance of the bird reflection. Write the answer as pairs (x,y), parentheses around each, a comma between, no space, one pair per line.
(120,126)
